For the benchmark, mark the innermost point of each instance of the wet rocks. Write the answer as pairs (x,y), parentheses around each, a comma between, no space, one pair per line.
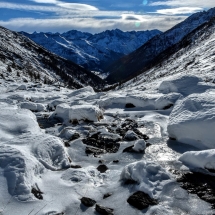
(141,200)
(37,193)
(102,168)
(129,105)
(106,195)
(131,136)
(75,166)
(87,202)
(104,210)
(106,144)
(200,184)
(94,151)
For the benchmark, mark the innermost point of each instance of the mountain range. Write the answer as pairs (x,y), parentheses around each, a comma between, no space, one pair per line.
(93,52)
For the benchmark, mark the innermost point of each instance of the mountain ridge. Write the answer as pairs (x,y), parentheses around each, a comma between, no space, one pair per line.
(88,50)
(143,58)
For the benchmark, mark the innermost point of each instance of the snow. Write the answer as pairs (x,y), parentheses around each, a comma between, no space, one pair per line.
(33,106)
(139,145)
(192,120)
(78,112)
(149,176)
(199,159)
(15,122)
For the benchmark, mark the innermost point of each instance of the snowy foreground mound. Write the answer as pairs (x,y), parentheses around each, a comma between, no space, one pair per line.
(203,159)
(192,120)
(59,145)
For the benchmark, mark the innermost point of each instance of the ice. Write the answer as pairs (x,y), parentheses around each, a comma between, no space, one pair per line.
(199,159)
(192,120)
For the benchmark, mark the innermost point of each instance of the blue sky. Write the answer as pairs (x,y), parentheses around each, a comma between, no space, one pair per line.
(96,15)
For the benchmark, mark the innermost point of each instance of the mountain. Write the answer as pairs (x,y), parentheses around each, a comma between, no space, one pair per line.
(93,52)
(148,55)
(19,57)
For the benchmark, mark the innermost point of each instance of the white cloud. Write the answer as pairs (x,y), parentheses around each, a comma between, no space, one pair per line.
(185,3)
(179,10)
(73,6)
(90,24)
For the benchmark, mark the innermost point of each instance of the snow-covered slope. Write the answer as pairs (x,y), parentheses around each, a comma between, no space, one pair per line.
(22,58)
(93,52)
(148,55)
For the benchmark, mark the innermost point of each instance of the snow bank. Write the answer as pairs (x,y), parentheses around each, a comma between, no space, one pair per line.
(50,151)
(192,120)
(16,122)
(37,107)
(201,159)
(83,92)
(146,101)
(78,112)
(185,85)
(20,170)
(150,176)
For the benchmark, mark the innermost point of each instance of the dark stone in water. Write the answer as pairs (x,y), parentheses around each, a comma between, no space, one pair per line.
(128,149)
(129,105)
(87,202)
(200,184)
(168,106)
(94,151)
(109,145)
(141,200)
(104,210)
(37,193)
(75,166)
(102,168)
(74,136)
(116,161)
(107,195)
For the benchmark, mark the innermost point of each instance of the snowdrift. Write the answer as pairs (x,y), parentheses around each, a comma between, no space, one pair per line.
(184,84)
(202,159)
(149,175)
(78,112)
(192,120)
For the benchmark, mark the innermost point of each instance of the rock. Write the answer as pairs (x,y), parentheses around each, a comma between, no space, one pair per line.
(141,200)
(107,195)
(129,149)
(102,168)
(200,184)
(87,202)
(116,161)
(75,166)
(94,151)
(107,144)
(74,136)
(130,136)
(129,105)
(104,210)
(37,193)
(168,106)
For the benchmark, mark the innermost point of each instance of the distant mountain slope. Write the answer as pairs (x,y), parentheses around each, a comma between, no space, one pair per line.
(93,52)
(148,54)
(194,55)
(19,57)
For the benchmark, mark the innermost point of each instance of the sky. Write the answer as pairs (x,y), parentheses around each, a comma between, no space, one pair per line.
(95,16)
